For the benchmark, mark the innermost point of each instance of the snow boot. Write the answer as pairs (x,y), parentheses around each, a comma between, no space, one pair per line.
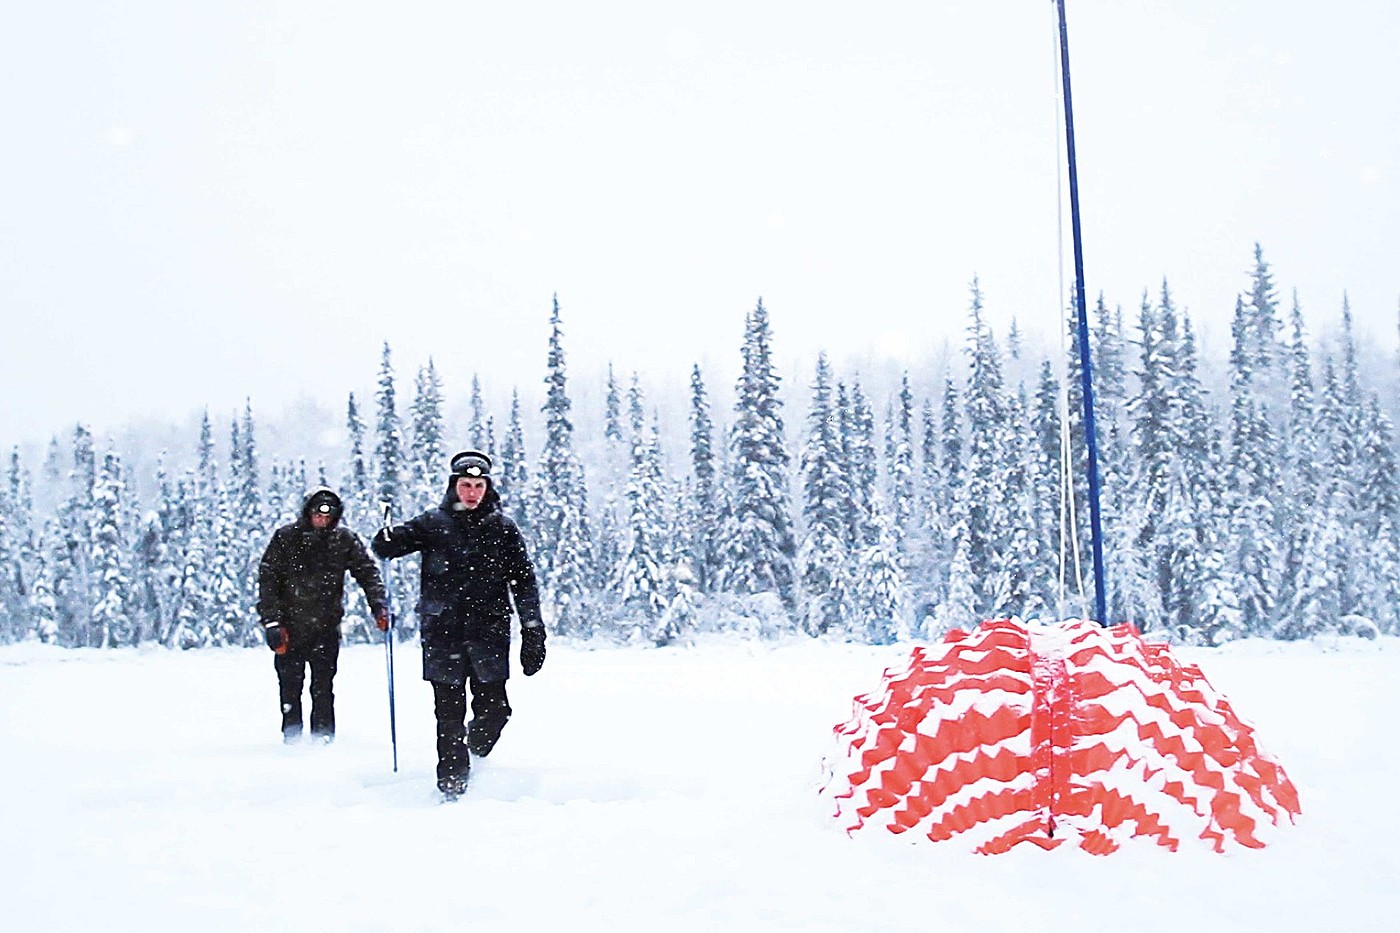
(452,787)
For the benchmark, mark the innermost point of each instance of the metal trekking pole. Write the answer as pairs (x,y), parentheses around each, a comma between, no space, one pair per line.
(389,637)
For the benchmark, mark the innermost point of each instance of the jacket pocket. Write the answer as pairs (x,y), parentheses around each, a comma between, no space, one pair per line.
(490,663)
(444,644)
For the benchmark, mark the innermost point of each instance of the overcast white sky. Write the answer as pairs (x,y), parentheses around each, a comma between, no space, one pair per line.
(200,202)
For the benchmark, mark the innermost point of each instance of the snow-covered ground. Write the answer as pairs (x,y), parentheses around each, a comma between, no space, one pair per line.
(635,789)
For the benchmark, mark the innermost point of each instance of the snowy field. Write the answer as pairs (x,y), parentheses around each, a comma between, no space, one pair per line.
(635,789)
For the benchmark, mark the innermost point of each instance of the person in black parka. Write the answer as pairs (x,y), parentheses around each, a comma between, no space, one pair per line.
(474,564)
(301,592)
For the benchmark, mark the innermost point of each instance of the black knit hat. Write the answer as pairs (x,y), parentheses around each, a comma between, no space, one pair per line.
(471,463)
(323,501)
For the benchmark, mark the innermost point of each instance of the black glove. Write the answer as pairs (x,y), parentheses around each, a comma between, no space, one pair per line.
(531,649)
(276,637)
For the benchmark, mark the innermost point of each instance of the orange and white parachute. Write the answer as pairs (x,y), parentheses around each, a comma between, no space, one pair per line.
(1043,733)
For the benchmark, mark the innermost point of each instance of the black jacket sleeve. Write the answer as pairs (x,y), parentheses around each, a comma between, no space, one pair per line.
(272,570)
(399,540)
(521,573)
(366,573)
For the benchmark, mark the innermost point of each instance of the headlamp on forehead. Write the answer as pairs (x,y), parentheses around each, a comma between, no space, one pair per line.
(471,463)
(324,508)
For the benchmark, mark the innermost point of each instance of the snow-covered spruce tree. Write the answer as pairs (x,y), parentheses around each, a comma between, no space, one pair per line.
(702,464)
(930,482)
(490,439)
(1176,445)
(253,528)
(1261,324)
(388,450)
(190,628)
(1300,464)
(827,510)
(476,428)
(945,517)
(1179,549)
(514,471)
(70,554)
(226,613)
(204,452)
(1316,603)
(681,616)
(16,552)
(277,493)
(155,576)
(1123,565)
(565,560)
(52,468)
(1379,513)
(1110,363)
(1134,594)
(756,555)
(1217,615)
(1045,481)
(394,480)
(884,616)
(14,609)
(1253,488)
(192,525)
(1156,433)
(636,413)
(609,532)
(111,616)
(959,606)
(43,607)
(1350,394)
(573,573)
(1028,571)
(426,453)
(1078,465)
(1318,543)
(638,577)
(249,501)
(423,463)
(1339,433)
(612,418)
(900,462)
(355,487)
(23,522)
(988,423)
(951,427)
(300,481)
(21,492)
(925,546)
(1203,454)
(858,432)
(556,458)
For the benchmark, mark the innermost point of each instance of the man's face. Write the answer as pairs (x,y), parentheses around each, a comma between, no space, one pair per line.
(470,489)
(322,520)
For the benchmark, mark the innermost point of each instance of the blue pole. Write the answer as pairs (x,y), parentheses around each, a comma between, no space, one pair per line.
(389,642)
(1086,370)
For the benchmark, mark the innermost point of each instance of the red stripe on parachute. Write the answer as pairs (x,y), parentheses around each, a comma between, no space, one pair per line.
(1047,733)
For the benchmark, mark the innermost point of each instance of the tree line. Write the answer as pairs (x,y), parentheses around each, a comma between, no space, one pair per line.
(1266,509)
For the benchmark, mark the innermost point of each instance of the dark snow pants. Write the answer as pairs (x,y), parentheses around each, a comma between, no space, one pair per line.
(490,711)
(320,650)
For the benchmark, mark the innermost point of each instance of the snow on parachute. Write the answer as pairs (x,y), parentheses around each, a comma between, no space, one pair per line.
(1046,733)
